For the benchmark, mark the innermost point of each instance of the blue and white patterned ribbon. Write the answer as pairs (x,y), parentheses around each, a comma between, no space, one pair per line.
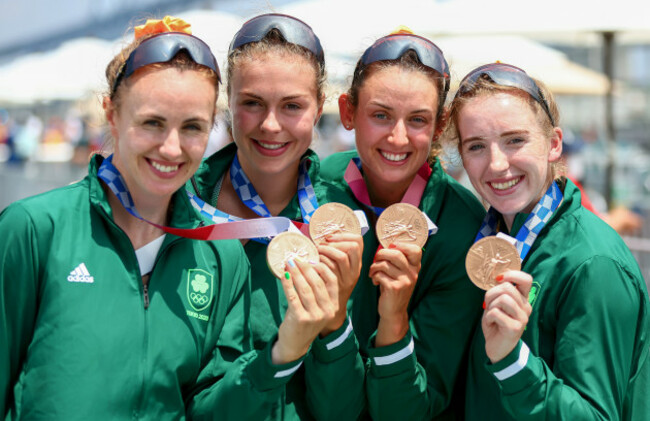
(230,228)
(248,195)
(527,234)
(114,180)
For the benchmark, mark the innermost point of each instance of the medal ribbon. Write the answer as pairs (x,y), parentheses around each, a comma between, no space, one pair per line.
(357,184)
(413,194)
(538,218)
(248,195)
(227,228)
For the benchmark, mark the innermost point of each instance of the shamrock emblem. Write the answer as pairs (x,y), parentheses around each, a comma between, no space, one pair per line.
(199,283)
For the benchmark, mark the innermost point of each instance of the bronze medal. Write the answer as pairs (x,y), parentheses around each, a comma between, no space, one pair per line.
(402,222)
(332,218)
(488,258)
(289,245)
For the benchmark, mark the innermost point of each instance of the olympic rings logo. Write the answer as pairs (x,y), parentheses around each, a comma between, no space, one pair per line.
(199,299)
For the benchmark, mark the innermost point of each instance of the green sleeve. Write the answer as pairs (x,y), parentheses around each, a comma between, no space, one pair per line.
(239,383)
(19,268)
(334,376)
(419,384)
(601,318)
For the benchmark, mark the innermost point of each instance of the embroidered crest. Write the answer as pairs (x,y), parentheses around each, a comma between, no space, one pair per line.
(199,288)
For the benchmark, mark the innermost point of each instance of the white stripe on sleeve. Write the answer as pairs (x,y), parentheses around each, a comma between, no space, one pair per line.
(338,341)
(288,371)
(397,356)
(515,367)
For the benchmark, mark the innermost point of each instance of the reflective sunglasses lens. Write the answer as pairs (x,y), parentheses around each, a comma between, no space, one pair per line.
(292,30)
(506,75)
(163,48)
(394,47)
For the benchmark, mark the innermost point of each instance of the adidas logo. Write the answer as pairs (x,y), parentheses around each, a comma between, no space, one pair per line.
(81,274)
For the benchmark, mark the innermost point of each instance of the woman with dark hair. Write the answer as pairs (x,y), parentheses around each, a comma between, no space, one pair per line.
(413,308)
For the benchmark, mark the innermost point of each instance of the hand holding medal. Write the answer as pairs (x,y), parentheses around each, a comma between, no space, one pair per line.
(328,219)
(493,264)
(337,232)
(402,230)
(312,286)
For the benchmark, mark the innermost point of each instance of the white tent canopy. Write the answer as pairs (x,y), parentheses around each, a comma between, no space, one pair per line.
(75,70)
(553,19)
(553,67)
(215,28)
(72,71)
(346,28)
(463,54)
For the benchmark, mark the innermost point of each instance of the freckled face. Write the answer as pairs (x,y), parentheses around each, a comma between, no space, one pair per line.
(505,152)
(161,129)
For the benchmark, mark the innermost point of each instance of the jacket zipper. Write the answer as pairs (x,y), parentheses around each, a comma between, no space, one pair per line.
(145,290)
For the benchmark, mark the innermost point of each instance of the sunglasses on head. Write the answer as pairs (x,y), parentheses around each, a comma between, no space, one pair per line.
(292,30)
(164,47)
(393,47)
(506,75)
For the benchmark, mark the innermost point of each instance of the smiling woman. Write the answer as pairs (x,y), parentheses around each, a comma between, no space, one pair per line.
(111,317)
(565,337)
(160,129)
(507,156)
(414,308)
(276,73)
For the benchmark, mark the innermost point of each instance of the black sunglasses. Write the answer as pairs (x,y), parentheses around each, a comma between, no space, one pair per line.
(506,75)
(162,48)
(393,47)
(293,30)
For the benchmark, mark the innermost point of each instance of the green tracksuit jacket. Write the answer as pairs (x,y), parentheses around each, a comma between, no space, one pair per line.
(416,378)
(584,353)
(77,341)
(329,385)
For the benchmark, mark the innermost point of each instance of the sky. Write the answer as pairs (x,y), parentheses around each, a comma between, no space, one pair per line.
(35,22)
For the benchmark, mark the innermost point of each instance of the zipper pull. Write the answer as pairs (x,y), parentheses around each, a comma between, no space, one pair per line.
(146,295)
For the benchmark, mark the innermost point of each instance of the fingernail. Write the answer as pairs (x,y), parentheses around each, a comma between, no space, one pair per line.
(287,275)
(499,278)
(392,246)
(291,263)
(483,302)
(313,262)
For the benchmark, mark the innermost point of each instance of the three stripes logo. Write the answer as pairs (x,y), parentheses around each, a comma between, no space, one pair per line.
(81,274)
